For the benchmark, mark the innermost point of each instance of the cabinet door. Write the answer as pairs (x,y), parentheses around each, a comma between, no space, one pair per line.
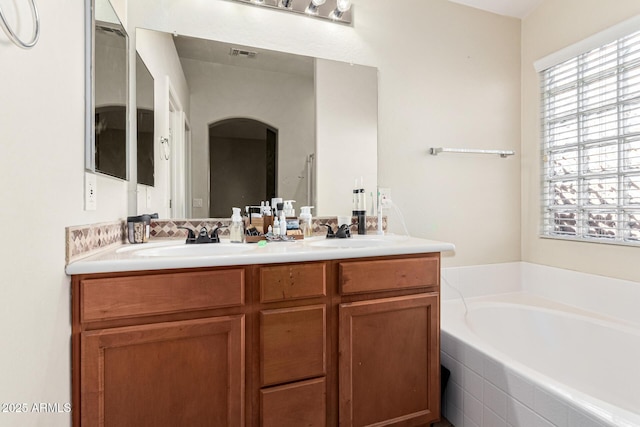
(389,364)
(188,373)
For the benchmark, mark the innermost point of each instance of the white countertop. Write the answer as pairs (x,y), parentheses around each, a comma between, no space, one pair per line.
(169,254)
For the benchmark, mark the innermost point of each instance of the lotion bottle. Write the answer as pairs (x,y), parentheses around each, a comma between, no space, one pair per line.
(276,226)
(236,230)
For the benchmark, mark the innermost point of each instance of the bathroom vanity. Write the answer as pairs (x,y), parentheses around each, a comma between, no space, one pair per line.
(291,335)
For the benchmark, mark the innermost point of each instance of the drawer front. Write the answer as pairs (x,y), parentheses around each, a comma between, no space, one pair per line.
(389,275)
(294,405)
(121,297)
(292,344)
(291,282)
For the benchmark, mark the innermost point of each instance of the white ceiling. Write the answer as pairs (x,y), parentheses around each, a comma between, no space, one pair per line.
(515,8)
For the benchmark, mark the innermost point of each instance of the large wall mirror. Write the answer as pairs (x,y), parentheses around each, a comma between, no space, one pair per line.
(106,91)
(259,127)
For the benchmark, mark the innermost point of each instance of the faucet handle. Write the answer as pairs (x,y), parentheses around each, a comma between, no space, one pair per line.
(344,231)
(214,233)
(330,233)
(191,235)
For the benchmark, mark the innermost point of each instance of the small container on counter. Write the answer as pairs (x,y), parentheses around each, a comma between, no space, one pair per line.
(137,228)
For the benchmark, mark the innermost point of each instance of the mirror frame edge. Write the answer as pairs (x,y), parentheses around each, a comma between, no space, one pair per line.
(89,87)
(89,61)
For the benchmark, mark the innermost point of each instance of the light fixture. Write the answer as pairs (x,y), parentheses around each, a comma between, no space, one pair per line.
(314,5)
(337,11)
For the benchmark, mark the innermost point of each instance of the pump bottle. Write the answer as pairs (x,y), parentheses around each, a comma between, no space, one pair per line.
(306,225)
(236,230)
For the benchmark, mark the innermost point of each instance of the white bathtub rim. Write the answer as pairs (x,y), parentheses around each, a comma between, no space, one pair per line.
(597,409)
(549,306)
(606,295)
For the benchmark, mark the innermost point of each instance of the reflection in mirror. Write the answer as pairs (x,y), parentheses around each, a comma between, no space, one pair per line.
(229,81)
(145,123)
(109,115)
(273,88)
(237,143)
(216,82)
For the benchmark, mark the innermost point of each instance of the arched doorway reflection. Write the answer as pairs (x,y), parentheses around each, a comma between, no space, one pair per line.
(242,164)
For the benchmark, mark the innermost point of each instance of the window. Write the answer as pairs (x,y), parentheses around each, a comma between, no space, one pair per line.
(591,145)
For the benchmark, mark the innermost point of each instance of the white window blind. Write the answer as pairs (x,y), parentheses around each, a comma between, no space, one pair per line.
(591,145)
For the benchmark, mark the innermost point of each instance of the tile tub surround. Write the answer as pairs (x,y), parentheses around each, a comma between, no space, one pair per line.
(482,392)
(487,388)
(86,240)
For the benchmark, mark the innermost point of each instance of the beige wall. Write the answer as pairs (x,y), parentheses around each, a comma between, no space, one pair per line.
(553,26)
(448,76)
(41,185)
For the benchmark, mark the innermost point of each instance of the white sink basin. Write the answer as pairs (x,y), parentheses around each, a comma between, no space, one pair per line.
(359,242)
(195,250)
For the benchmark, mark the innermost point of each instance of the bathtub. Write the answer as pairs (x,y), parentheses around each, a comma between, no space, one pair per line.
(540,346)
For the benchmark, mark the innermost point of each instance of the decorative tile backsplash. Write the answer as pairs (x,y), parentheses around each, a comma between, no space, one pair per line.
(169,228)
(85,240)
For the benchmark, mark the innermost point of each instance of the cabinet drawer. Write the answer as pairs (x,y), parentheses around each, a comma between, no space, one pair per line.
(294,405)
(119,297)
(292,344)
(291,282)
(388,275)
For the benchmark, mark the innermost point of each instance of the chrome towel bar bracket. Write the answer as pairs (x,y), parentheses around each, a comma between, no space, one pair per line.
(501,153)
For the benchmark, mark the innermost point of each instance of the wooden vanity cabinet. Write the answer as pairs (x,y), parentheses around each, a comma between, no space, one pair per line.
(327,343)
(389,341)
(159,348)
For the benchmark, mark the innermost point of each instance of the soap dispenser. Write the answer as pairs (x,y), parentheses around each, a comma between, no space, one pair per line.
(306,225)
(236,230)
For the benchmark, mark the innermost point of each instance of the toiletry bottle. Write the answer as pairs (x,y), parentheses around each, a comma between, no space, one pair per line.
(289,211)
(306,225)
(360,206)
(283,224)
(276,226)
(274,205)
(236,230)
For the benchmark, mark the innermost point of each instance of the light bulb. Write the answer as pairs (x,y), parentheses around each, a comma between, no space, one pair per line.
(343,5)
(313,6)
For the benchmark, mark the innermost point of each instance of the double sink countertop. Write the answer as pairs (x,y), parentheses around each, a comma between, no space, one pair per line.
(168,254)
